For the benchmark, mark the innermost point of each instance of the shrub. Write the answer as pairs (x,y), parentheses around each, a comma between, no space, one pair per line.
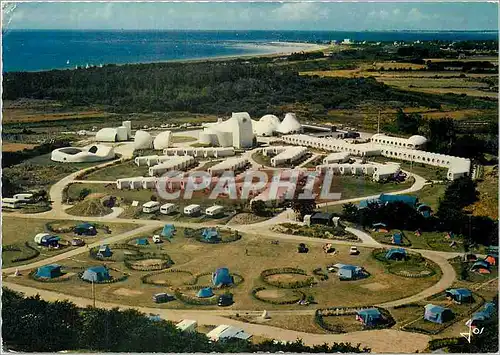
(255,291)
(33,254)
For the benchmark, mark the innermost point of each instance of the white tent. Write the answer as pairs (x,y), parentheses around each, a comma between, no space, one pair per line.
(162,140)
(143,140)
(290,124)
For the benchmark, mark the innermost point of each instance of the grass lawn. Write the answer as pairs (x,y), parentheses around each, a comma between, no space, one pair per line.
(261,159)
(117,171)
(300,323)
(247,257)
(487,204)
(430,195)
(16,231)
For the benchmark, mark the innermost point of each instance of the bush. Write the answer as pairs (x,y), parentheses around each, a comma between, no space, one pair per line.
(300,296)
(34,253)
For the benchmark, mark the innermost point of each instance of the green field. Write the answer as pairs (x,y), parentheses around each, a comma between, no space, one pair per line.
(117,171)
(428,172)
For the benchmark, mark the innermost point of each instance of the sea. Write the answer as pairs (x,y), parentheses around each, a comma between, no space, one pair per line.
(37,50)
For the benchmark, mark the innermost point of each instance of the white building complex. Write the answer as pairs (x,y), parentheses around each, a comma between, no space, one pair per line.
(143,140)
(162,140)
(332,158)
(268,125)
(209,152)
(118,134)
(87,154)
(173,164)
(391,147)
(288,156)
(236,132)
(228,165)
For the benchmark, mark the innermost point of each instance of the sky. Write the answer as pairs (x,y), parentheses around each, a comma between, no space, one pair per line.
(252,16)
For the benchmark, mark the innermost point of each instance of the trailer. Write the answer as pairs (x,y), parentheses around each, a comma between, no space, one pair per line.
(168,208)
(192,210)
(214,211)
(151,207)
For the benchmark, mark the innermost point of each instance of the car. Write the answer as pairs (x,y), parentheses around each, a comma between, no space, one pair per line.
(225,300)
(354,250)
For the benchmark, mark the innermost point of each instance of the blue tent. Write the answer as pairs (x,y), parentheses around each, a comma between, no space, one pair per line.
(154,317)
(366,203)
(104,251)
(222,277)
(409,200)
(85,229)
(142,241)
(205,292)
(480,265)
(96,274)
(49,271)
(369,316)
(168,231)
(459,295)
(397,238)
(396,254)
(210,234)
(437,314)
(349,272)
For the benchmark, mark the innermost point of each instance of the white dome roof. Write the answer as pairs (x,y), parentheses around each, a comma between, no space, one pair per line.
(106,135)
(264,128)
(417,140)
(143,140)
(290,124)
(162,140)
(271,119)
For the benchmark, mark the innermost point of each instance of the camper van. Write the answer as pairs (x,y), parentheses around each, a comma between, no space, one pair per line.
(214,211)
(168,208)
(192,210)
(9,202)
(151,207)
(24,197)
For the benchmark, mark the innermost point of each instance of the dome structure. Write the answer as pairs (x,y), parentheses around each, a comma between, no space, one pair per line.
(143,140)
(290,124)
(271,120)
(417,140)
(87,154)
(236,131)
(107,135)
(162,140)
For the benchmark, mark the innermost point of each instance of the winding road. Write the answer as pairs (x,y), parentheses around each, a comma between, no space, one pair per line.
(387,340)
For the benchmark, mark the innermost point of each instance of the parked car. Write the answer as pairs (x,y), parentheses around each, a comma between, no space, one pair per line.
(78,242)
(225,300)
(354,250)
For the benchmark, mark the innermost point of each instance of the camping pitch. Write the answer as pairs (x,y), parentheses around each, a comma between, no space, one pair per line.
(85,229)
(210,235)
(396,254)
(168,231)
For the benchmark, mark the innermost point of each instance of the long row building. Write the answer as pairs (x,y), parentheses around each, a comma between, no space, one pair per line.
(390,147)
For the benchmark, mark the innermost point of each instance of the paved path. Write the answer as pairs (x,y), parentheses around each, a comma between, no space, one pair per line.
(386,340)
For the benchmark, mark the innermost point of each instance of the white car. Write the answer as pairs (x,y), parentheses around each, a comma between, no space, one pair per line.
(354,250)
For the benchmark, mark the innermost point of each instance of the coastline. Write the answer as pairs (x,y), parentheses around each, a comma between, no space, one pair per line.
(265,49)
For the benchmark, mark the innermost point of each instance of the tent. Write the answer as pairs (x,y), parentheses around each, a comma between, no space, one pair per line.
(369,316)
(460,295)
(104,251)
(481,267)
(397,238)
(210,235)
(222,277)
(85,229)
(168,231)
(349,272)
(205,292)
(424,210)
(396,254)
(49,271)
(437,314)
(96,274)
(142,241)
(490,259)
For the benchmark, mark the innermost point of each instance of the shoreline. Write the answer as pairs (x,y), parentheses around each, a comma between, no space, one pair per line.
(286,48)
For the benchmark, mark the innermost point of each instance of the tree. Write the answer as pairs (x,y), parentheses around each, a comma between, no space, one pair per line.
(303,207)
(350,212)
(259,208)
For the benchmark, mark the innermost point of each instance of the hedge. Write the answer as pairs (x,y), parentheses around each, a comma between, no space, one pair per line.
(287,270)
(232,238)
(145,278)
(435,344)
(32,275)
(323,276)
(320,313)
(33,255)
(256,290)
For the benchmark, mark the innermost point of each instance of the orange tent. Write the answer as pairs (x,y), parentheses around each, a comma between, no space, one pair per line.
(490,260)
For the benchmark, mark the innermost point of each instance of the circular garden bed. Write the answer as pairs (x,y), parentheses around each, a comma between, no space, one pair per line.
(287,278)
(414,266)
(278,296)
(115,276)
(169,278)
